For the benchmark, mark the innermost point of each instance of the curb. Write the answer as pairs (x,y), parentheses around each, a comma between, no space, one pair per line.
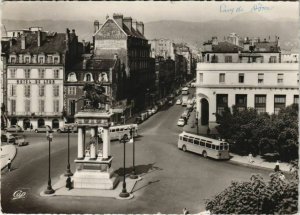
(16,151)
(253,166)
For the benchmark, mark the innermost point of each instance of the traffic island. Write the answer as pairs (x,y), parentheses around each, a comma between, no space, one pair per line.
(61,189)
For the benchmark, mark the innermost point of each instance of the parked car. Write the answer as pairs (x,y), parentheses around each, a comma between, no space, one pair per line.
(73,129)
(43,128)
(181,122)
(7,138)
(178,102)
(150,113)
(20,140)
(14,128)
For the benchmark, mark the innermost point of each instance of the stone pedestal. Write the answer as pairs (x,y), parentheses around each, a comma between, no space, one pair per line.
(93,166)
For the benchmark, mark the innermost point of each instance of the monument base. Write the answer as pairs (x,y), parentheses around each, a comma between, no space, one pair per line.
(95,174)
(95,180)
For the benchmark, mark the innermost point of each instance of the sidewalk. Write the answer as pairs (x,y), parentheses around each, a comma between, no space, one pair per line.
(258,162)
(7,151)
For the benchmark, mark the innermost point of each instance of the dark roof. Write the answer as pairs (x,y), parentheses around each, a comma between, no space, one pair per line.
(226,47)
(52,44)
(133,32)
(5,46)
(266,47)
(96,64)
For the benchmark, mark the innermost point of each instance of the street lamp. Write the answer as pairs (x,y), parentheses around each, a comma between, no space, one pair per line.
(124,193)
(133,175)
(68,172)
(49,187)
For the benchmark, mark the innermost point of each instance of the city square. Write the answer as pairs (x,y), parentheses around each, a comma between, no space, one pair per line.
(127,118)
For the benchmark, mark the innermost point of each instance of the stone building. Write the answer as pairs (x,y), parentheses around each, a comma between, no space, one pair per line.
(107,72)
(163,48)
(35,76)
(265,87)
(125,37)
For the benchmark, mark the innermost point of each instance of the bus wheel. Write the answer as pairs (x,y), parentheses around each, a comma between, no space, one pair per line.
(204,154)
(184,148)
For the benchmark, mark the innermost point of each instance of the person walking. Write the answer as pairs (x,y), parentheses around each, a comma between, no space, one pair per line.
(276,169)
(9,164)
(185,211)
(250,157)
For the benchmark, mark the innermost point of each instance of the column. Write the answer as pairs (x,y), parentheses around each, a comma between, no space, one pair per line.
(80,144)
(106,143)
(93,146)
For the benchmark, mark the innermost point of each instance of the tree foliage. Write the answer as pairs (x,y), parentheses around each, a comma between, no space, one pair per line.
(277,196)
(247,131)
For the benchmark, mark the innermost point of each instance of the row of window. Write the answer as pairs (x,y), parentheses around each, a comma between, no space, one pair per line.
(241,78)
(87,77)
(41,107)
(27,90)
(50,59)
(228,59)
(27,73)
(260,102)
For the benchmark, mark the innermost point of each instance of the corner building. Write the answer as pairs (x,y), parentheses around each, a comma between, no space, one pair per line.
(265,87)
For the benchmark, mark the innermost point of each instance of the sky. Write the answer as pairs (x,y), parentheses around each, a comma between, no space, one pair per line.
(147,11)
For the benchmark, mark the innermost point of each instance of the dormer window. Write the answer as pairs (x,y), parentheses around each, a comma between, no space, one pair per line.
(103,77)
(13,59)
(56,60)
(72,77)
(88,77)
(50,59)
(27,60)
(41,59)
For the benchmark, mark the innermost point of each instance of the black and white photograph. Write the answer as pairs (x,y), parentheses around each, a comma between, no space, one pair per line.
(149,107)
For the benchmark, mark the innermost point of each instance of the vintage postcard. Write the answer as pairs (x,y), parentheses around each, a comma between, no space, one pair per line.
(181,107)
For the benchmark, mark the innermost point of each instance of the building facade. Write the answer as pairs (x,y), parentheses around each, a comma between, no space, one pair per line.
(35,77)
(125,37)
(265,87)
(162,48)
(290,56)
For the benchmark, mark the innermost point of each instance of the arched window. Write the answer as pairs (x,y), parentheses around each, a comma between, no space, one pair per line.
(41,122)
(88,77)
(72,77)
(55,123)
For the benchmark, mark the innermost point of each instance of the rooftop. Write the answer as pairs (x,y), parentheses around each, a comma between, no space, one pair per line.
(96,64)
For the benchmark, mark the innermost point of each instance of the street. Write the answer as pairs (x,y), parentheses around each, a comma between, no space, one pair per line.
(172,179)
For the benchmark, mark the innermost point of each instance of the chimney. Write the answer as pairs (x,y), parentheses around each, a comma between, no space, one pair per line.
(39,38)
(214,40)
(119,19)
(134,24)
(128,22)
(140,27)
(96,26)
(83,46)
(23,41)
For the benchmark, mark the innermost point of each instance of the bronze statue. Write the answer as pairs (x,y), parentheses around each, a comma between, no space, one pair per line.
(95,93)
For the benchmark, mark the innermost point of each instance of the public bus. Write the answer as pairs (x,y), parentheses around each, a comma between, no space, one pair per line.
(185,91)
(207,147)
(118,131)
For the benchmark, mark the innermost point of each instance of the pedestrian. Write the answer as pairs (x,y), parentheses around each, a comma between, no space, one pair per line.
(31,127)
(69,183)
(9,164)
(250,158)
(276,169)
(185,211)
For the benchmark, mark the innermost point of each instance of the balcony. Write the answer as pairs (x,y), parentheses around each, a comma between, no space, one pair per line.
(35,114)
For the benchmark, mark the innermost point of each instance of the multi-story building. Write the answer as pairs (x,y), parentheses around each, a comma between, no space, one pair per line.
(35,77)
(184,50)
(265,87)
(249,51)
(125,37)
(90,69)
(290,56)
(163,48)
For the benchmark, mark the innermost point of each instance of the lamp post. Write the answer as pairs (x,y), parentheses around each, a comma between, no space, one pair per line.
(133,175)
(124,193)
(68,172)
(49,189)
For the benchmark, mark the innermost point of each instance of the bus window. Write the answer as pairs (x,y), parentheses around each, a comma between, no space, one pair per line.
(217,147)
(213,146)
(191,140)
(117,129)
(196,141)
(208,145)
(185,138)
(112,130)
(202,142)
(180,137)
